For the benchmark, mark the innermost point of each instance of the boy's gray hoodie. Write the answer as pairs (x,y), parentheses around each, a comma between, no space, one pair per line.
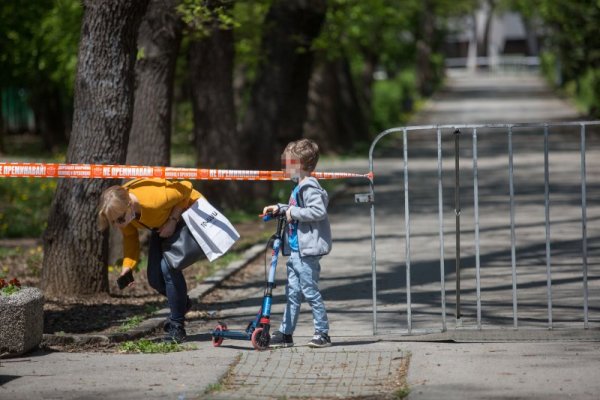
(314,232)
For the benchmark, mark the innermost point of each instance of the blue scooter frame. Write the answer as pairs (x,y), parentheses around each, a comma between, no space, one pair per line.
(258,330)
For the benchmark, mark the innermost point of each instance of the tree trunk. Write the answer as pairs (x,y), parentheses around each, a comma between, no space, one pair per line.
(367,81)
(483,46)
(425,74)
(211,61)
(335,116)
(158,44)
(75,252)
(277,108)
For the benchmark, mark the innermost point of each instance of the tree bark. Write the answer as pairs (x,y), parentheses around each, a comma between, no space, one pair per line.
(277,108)
(75,252)
(335,117)
(483,46)
(158,41)
(211,62)
(425,73)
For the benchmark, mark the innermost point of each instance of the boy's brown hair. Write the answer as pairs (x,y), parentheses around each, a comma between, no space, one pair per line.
(306,150)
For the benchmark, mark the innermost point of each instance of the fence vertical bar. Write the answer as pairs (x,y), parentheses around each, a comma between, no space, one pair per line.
(584,229)
(407,229)
(476,210)
(513,255)
(547,217)
(457,214)
(373,255)
(441,222)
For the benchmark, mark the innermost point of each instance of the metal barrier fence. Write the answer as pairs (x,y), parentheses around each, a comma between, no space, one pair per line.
(458,131)
(497,64)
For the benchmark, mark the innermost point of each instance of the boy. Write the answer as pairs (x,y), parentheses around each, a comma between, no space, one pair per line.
(306,238)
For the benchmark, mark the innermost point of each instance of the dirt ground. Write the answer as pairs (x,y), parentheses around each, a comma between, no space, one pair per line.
(113,311)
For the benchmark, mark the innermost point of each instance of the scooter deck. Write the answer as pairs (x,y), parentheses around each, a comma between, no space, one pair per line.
(238,335)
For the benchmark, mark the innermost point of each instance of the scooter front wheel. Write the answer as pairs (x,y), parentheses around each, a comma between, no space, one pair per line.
(216,341)
(260,339)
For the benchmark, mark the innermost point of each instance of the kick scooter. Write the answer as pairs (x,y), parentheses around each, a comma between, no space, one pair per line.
(258,329)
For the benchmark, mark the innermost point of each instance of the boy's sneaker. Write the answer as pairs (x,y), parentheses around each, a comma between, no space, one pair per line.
(279,339)
(320,339)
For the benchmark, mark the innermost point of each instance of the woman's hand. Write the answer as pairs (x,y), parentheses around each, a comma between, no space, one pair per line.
(288,215)
(168,228)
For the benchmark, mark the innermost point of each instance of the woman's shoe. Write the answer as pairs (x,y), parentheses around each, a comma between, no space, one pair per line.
(175,333)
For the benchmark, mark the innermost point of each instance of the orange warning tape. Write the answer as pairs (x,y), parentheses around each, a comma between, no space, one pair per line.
(99,171)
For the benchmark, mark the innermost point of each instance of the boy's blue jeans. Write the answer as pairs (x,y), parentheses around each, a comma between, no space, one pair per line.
(303,283)
(167,281)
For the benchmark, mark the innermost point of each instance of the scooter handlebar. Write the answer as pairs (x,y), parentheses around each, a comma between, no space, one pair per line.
(269,216)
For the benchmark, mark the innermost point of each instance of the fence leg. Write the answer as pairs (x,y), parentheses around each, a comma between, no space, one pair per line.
(457,213)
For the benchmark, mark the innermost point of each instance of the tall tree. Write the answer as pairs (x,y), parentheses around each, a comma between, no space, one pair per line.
(75,252)
(277,107)
(211,60)
(159,40)
(335,116)
(483,44)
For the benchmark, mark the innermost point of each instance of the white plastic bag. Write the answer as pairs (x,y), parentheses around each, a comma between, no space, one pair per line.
(211,229)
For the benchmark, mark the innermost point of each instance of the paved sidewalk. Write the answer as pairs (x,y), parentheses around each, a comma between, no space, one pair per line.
(343,371)
(536,364)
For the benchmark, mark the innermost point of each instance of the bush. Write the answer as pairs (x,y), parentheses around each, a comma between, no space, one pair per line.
(393,100)
(24,206)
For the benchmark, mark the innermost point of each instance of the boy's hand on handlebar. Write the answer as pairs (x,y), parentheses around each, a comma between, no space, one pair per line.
(288,215)
(271,210)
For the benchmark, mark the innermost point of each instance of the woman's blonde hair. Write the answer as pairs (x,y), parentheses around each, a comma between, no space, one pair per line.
(114,202)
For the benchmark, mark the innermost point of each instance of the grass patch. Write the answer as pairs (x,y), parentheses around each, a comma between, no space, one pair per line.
(147,347)
(31,257)
(402,389)
(402,393)
(214,387)
(131,322)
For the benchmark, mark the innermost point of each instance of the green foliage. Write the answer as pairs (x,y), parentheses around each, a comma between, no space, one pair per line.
(148,346)
(24,206)
(589,91)
(248,36)
(573,34)
(393,100)
(39,41)
(571,58)
(378,27)
(201,18)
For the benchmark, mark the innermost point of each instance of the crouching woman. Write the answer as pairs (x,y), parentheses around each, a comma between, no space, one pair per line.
(157,205)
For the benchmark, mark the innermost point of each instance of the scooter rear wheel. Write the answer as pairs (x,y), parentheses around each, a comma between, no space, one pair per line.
(260,339)
(216,341)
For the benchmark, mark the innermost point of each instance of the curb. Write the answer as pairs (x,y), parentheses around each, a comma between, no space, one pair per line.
(156,321)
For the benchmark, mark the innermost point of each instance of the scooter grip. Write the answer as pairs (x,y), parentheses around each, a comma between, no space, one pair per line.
(266,217)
